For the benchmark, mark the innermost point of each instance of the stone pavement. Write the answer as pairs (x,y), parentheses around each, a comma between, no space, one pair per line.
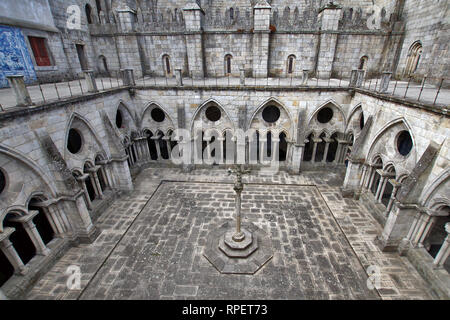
(152,242)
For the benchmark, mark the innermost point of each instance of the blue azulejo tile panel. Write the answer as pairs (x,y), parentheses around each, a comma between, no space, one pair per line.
(14,56)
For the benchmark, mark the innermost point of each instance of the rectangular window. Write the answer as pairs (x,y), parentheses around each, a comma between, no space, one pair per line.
(40,51)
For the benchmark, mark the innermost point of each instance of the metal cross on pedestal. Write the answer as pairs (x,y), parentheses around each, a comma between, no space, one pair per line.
(238,187)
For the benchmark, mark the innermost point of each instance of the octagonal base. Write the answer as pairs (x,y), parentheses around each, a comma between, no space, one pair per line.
(241,249)
(249,264)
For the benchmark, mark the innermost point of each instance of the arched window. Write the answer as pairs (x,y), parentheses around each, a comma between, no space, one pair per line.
(363,63)
(231,13)
(228,58)
(414,55)
(290,64)
(103,65)
(166,64)
(309,146)
(88,11)
(99,9)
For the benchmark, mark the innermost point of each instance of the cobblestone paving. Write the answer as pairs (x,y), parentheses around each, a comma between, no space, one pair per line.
(152,241)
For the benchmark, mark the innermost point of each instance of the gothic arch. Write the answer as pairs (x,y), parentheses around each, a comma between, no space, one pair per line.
(96,143)
(432,189)
(323,105)
(150,106)
(288,126)
(385,129)
(207,103)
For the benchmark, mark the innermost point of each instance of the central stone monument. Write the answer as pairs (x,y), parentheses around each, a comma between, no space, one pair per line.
(240,250)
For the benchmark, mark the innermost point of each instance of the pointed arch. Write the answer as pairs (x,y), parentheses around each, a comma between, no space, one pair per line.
(385,128)
(323,105)
(125,106)
(434,186)
(73,117)
(151,105)
(206,104)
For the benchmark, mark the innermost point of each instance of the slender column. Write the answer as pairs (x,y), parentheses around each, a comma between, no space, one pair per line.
(169,148)
(396,186)
(94,178)
(363,175)
(222,159)
(30,228)
(51,217)
(147,150)
(10,252)
(381,188)
(369,177)
(137,151)
(105,172)
(444,252)
(82,179)
(54,215)
(327,146)
(338,152)
(158,148)
(313,159)
(262,150)
(423,221)
(413,229)
(425,233)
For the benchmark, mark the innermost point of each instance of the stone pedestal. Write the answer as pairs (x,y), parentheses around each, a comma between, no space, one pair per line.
(90,81)
(179,77)
(230,257)
(17,83)
(385,79)
(128,77)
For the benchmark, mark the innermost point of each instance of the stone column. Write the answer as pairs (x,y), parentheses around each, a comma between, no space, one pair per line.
(385,79)
(363,175)
(444,252)
(52,217)
(381,186)
(158,147)
(297,158)
(261,34)
(426,231)
(241,151)
(397,226)
(11,253)
(305,76)
(82,179)
(90,81)
(179,77)
(369,177)
(193,17)
(30,228)
(327,146)
(350,187)
(420,228)
(316,141)
(262,150)
(96,183)
(396,185)
(17,83)
(329,16)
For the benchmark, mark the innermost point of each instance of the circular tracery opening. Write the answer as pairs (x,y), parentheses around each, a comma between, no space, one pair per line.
(158,115)
(271,114)
(74,141)
(119,119)
(2,181)
(404,143)
(325,115)
(213,113)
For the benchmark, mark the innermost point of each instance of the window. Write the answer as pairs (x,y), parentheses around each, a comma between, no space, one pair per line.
(228,58)
(213,113)
(40,51)
(271,114)
(74,141)
(291,64)
(82,57)
(166,62)
(363,63)
(414,55)
(88,11)
(325,115)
